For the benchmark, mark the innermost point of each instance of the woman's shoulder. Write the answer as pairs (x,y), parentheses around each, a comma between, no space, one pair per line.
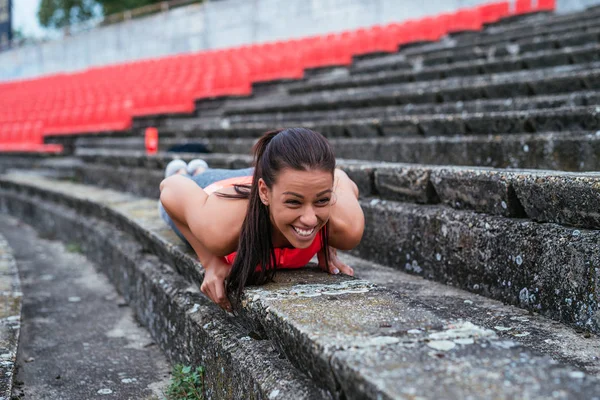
(221,221)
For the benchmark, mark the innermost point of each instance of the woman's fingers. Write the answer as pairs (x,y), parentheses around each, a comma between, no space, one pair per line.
(335,264)
(215,290)
(345,268)
(221,299)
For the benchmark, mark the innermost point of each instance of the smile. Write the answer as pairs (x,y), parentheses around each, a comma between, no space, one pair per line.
(304,233)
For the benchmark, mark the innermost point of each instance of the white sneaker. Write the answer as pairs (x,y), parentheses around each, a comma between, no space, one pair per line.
(173,166)
(196,166)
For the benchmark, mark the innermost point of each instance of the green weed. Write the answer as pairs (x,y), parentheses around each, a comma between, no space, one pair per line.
(186,384)
(73,248)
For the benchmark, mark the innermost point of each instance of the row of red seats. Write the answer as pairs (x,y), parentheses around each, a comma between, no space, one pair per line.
(25,137)
(106,98)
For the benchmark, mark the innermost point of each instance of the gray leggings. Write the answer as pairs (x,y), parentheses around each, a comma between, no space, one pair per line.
(204,179)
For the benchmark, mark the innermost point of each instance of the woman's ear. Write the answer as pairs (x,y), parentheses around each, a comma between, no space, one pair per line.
(263,191)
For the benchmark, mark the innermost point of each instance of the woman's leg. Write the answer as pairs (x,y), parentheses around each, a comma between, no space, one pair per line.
(212,175)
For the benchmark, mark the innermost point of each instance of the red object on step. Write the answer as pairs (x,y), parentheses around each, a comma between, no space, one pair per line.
(546,5)
(151,140)
(523,7)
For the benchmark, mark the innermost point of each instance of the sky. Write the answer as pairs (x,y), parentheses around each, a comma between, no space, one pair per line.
(25,17)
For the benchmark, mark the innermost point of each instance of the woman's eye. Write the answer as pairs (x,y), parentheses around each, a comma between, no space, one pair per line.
(323,201)
(293,202)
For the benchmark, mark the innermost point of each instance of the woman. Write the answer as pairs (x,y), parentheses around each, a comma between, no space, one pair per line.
(292,205)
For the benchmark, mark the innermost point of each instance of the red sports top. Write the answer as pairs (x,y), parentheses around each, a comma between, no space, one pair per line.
(285,258)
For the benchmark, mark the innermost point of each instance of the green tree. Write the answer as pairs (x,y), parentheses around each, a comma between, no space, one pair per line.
(62,13)
(116,6)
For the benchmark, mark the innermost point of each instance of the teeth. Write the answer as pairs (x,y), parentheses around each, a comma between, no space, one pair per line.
(303,232)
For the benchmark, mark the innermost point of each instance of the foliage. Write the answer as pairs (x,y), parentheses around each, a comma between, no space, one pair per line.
(116,6)
(62,13)
(186,384)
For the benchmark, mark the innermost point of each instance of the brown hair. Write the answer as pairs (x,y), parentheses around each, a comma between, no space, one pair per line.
(296,148)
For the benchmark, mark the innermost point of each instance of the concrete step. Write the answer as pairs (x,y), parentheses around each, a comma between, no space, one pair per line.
(543,81)
(488,49)
(525,30)
(189,328)
(11,298)
(512,323)
(565,151)
(545,267)
(563,198)
(494,123)
(79,340)
(390,346)
(582,98)
(540,200)
(467,65)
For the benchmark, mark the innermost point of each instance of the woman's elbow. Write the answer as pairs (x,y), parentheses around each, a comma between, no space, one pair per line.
(352,237)
(166,182)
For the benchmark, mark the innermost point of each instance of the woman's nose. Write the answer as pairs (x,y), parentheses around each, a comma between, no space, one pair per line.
(309,217)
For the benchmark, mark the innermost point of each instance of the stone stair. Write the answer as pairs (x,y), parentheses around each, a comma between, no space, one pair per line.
(489,231)
(478,270)
(340,337)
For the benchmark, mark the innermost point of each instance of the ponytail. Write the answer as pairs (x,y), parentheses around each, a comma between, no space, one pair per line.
(255,244)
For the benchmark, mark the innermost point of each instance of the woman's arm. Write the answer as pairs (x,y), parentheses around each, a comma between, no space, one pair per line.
(347,220)
(193,212)
(213,223)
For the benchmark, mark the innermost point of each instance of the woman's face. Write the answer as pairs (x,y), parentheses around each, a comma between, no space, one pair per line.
(299,204)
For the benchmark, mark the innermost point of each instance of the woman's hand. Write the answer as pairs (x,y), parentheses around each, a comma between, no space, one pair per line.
(335,264)
(213,284)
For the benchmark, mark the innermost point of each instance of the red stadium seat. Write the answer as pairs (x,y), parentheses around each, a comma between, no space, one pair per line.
(523,7)
(105,98)
(546,5)
(466,20)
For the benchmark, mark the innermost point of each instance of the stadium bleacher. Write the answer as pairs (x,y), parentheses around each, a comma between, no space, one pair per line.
(106,98)
(473,138)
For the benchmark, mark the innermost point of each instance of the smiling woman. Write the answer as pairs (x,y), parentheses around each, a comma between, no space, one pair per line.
(245,224)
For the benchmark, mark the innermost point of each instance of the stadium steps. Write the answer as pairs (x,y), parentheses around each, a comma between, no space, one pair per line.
(576,99)
(10,314)
(584,119)
(568,151)
(451,51)
(541,81)
(467,66)
(351,338)
(447,223)
(537,26)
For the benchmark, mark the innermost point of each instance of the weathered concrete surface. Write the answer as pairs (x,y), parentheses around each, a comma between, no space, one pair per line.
(10,317)
(385,329)
(575,99)
(566,151)
(570,199)
(481,189)
(79,340)
(188,327)
(452,64)
(528,328)
(139,159)
(550,80)
(565,198)
(497,123)
(530,28)
(24,160)
(543,267)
